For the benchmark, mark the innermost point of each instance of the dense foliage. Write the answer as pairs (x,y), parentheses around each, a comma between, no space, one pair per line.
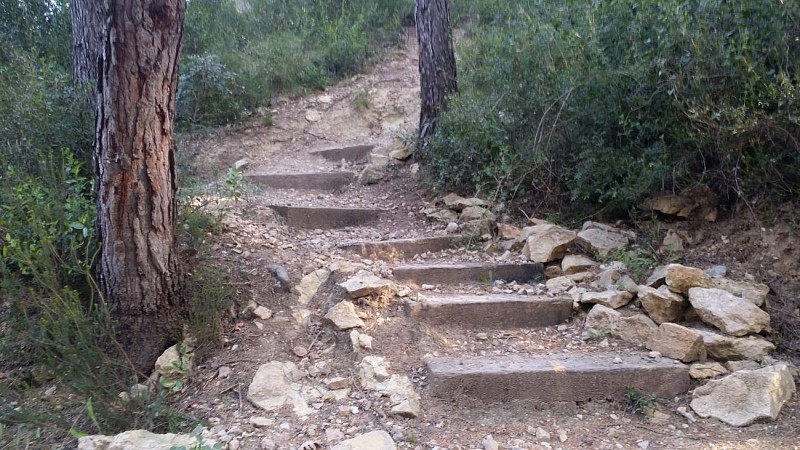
(592,106)
(236,61)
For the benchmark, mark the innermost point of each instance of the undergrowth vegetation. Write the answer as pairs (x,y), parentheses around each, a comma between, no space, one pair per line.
(589,107)
(236,61)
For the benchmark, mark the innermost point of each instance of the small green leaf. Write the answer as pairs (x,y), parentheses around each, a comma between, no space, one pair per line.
(77,434)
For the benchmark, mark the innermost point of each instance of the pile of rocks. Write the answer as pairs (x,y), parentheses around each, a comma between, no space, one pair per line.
(685,313)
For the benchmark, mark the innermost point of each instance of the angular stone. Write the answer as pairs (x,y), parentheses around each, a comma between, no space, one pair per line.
(661,304)
(743,397)
(373,371)
(607,279)
(322,181)
(678,342)
(401,248)
(755,293)
(473,213)
(672,242)
(566,378)
(726,348)
(262,312)
(508,232)
(601,318)
(241,164)
(402,153)
(545,243)
(458,203)
(626,283)
(270,387)
(572,264)
(637,329)
(589,225)
(703,370)
(442,215)
(137,440)
(552,271)
(310,284)
(735,366)
(374,375)
(672,204)
(477,228)
(464,273)
(344,316)
(374,440)
(559,285)
(491,311)
(657,278)
(166,363)
(366,284)
(601,242)
(337,383)
(680,278)
(327,218)
(371,174)
(731,314)
(581,277)
(355,153)
(611,298)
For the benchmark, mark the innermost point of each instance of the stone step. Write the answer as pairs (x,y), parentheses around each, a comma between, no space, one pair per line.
(324,181)
(401,248)
(563,378)
(466,273)
(327,218)
(491,311)
(353,153)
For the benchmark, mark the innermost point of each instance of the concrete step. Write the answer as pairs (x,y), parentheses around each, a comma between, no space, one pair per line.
(466,273)
(401,248)
(324,181)
(327,218)
(491,311)
(555,379)
(353,153)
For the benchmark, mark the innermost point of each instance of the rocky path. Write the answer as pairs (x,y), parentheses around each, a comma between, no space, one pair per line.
(421,322)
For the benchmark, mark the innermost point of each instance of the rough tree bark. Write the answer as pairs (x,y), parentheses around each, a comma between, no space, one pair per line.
(88,30)
(437,63)
(139,269)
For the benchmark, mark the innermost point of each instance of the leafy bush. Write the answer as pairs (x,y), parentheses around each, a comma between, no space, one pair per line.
(207,91)
(596,106)
(40,113)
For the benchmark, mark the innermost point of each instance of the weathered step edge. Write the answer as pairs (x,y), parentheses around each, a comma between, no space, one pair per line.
(555,379)
(401,248)
(353,153)
(463,273)
(324,181)
(327,218)
(491,311)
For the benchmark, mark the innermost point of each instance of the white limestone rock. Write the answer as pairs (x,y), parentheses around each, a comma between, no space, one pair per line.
(743,397)
(733,315)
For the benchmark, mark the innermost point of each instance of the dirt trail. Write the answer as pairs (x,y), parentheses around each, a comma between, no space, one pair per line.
(380,108)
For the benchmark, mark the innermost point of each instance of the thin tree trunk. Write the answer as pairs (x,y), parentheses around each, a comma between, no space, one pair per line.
(88,30)
(139,269)
(437,63)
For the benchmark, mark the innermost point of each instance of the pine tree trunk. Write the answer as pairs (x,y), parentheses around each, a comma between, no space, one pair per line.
(88,30)
(139,269)
(437,63)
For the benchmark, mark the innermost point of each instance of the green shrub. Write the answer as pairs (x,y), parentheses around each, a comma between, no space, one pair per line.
(593,107)
(40,113)
(207,91)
